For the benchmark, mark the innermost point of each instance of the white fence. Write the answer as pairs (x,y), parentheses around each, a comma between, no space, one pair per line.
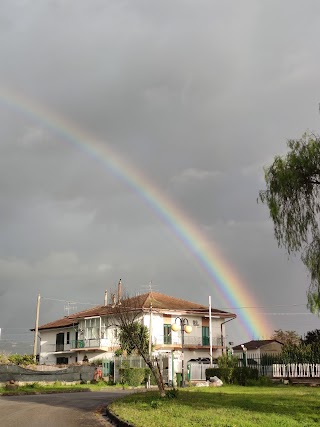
(296,370)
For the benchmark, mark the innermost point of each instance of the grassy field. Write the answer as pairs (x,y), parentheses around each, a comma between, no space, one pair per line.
(228,406)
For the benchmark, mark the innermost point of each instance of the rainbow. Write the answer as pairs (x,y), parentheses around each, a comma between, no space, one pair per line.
(226,281)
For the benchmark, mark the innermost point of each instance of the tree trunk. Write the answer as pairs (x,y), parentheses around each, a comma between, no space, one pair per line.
(158,377)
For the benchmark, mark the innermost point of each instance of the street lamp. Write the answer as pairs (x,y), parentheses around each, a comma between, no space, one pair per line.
(244,359)
(184,327)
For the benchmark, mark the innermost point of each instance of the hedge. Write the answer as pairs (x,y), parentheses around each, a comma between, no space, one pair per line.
(133,376)
(237,375)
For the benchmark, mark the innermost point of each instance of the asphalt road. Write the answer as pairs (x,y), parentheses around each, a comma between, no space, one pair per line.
(56,410)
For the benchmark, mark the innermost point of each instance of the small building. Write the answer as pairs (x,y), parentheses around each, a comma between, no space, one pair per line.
(253,350)
(93,334)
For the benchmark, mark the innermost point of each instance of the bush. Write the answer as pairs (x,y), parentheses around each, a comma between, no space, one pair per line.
(18,359)
(227,365)
(225,374)
(172,394)
(4,359)
(244,374)
(132,376)
(233,375)
(96,362)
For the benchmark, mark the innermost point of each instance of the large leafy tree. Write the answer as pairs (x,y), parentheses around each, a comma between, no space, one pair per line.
(292,196)
(312,337)
(286,337)
(134,337)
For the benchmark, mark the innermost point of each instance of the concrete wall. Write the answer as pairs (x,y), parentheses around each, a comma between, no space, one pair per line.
(24,375)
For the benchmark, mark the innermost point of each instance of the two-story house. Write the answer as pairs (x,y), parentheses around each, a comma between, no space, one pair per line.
(93,333)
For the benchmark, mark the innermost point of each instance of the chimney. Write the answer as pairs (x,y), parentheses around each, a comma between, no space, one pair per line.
(113,298)
(119,292)
(105,297)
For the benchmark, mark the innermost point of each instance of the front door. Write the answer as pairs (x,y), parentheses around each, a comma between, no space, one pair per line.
(205,335)
(60,341)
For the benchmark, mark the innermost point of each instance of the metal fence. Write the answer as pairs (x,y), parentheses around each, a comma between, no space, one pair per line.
(197,371)
(138,362)
(268,365)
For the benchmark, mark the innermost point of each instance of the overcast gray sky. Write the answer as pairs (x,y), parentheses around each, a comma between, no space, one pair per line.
(199,96)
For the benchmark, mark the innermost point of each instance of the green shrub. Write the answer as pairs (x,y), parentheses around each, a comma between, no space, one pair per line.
(236,375)
(242,375)
(225,374)
(226,367)
(155,404)
(132,376)
(18,359)
(172,393)
(96,362)
(33,385)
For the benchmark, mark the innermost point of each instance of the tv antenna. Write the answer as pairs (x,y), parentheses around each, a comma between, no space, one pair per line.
(150,287)
(70,306)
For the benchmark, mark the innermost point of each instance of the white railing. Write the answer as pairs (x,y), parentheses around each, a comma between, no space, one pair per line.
(296,370)
(88,343)
(188,340)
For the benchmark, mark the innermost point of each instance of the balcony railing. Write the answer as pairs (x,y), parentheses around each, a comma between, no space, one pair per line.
(192,340)
(88,343)
(59,347)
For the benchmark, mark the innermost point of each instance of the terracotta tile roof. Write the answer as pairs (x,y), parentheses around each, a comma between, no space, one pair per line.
(160,302)
(255,344)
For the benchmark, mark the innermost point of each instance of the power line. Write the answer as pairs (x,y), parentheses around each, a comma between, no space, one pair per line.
(68,301)
(261,306)
(288,314)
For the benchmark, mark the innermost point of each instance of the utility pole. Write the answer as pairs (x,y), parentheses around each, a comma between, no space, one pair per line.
(210,331)
(150,343)
(35,345)
(150,331)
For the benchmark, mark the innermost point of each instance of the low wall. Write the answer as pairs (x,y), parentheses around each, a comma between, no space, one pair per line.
(24,375)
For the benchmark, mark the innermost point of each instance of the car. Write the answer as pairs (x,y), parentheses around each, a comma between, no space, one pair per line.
(200,360)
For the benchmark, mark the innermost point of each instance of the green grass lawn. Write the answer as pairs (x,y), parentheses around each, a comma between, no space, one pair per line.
(57,387)
(228,406)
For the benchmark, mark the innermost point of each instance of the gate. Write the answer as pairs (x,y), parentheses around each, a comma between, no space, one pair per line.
(197,371)
(107,368)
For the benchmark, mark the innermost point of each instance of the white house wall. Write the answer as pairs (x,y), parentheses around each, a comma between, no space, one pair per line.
(48,354)
(108,339)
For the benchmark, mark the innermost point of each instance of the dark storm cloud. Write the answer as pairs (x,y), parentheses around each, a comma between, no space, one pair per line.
(198,96)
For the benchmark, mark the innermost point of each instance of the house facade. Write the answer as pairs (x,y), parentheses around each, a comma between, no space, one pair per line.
(93,334)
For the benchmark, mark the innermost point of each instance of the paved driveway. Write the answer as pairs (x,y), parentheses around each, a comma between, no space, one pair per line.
(56,410)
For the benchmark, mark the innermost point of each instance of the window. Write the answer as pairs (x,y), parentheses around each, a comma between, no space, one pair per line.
(62,360)
(92,328)
(68,337)
(205,335)
(167,333)
(104,329)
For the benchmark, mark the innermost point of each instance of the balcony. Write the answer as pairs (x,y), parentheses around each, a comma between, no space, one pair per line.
(192,341)
(59,347)
(91,343)
(199,341)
